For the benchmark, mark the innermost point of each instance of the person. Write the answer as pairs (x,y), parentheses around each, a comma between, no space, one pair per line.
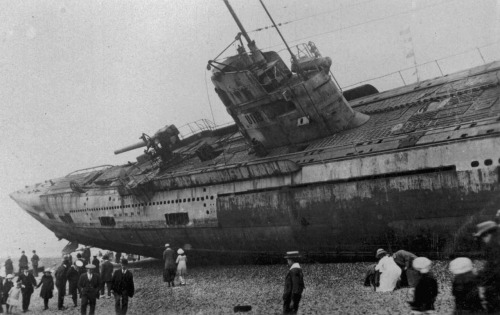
(14,299)
(106,275)
(86,254)
(96,263)
(1,294)
(389,271)
(489,288)
(294,284)
(23,262)
(73,276)
(9,266)
(34,263)
(79,257)
(8,284)
(122,287)
(426,288)
(465,286)
(181,266)
(404,260)
(89,289)
(61,278)
(372,277)
(47,284)
(169,269)
(28,284)
(118,256)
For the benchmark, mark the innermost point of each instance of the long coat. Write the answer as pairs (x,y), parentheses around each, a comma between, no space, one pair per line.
(47,283)
(9,267)
(61,278)
(294,283)
(23,261)
(89,288)
(73,276)
(425,294)
(169,258)
(123,282)
(106,271)
(29,283)
(6,288)
(96,263)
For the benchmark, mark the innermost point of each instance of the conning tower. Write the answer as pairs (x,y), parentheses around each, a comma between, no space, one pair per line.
(274,105)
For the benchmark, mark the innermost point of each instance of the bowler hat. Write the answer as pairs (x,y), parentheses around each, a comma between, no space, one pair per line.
(460,265)
(292,254)
(380,252)
(90,266)
(485,227)
(422,264)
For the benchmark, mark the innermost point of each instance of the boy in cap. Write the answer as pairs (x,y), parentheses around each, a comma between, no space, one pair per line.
(89,284)
(294,284)
(47,284)
(489,276)
(426,289)
(464,286)
(122,287)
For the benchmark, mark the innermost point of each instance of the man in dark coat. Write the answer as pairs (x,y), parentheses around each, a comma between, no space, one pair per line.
(106,275)
(489,276)
(89,284)
(294,284)
(122,287)
(170,266)
(23,262)
(34,263)
(28,284)
(86,254)
(73,277)
(96,263)
(61,278)
(404,259)
(9,266)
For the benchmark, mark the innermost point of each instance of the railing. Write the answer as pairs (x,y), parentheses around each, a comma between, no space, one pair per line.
(197,126)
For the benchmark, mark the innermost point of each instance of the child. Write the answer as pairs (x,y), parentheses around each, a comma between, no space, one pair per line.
(426,289)
(465,286)
(14,298)
(181,265)
(5,290)
(47,283)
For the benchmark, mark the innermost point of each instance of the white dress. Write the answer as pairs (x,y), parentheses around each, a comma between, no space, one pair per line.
(390,273)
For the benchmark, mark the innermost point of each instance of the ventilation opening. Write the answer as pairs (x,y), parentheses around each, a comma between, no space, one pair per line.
(107,221)
(66,218)
(178,218)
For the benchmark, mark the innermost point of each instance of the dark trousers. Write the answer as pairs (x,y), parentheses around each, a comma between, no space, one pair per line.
(61,292)
(26,300)
(88,301)
(46,302)
(295,300)
(1,308)
(121,303)
(108,286)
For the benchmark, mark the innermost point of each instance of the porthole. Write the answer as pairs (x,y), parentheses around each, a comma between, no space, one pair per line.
(488,162)
(204,189)
(109,198)
(168,201)
(189,199)
(474,164)
(198,199)
(204,205)
(208,212)
(202,198)
(184,200)
(211,197)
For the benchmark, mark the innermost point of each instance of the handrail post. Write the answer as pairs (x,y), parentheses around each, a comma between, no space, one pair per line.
(402,78)
(480,54)
(437,64)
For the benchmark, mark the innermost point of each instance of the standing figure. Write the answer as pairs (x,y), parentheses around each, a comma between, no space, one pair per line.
(118,256)
(426,289)
(14,299)
(106,275)
(294,284)
(23,262)
(8,284)
(96,263)
(86,254)
(89,284)
(9,266)
(389,271)
(489,288)
(1,293)
(61,278)
(73,276)
(34,262)
(181,266)
(170,267)
(404,260)
(28,284)
(465,287)
(47,284)
(122,287)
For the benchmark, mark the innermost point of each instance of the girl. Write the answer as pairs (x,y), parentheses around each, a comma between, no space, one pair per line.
(181,265)
(14,298)
(47,283)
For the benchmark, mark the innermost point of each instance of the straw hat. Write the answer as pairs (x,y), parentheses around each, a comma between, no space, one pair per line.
(180,251)
(422,264)
(79,263)
(460,265)
(484,227)
(292,254)
(380,252)
(90,266)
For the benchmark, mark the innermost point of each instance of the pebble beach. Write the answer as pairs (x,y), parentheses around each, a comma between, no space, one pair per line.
(335,288)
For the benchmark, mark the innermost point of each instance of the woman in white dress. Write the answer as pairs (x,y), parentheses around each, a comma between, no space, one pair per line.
(181,266)
(389,271)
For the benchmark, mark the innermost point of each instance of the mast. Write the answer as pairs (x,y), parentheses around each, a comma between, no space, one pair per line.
(256,53)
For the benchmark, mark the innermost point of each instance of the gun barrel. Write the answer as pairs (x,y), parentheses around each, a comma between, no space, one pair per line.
(131,147)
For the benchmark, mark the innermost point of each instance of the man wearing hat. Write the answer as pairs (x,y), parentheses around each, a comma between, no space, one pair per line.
(490,275)
(9,266)
(170,267)
(464,286)
(61,279)
(294,284)
(28,284)
(106,275)
(96,263)
(34,263)
(122,287)
(73,276)
(89,284)
(23,262)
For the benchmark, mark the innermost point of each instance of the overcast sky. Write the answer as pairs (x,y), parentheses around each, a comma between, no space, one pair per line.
(79,79)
